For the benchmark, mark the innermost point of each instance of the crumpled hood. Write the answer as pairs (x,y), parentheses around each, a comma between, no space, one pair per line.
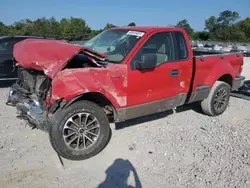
(49,56)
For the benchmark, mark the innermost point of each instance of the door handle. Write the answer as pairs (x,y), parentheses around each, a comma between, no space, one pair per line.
(174,72)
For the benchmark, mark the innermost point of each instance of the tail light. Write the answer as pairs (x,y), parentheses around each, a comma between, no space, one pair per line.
(241,68)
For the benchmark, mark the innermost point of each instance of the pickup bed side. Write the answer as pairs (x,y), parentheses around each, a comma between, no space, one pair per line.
(211,68)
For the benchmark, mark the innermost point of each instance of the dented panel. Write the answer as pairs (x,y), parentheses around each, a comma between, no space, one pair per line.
(51,56)
(110,81)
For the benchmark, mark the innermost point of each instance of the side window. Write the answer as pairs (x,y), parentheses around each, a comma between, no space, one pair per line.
(159,44)
(3,47)
(6,46)
(181,47)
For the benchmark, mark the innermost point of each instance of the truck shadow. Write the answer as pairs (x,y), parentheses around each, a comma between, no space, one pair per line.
(117,175)
(194,106)
(243,92)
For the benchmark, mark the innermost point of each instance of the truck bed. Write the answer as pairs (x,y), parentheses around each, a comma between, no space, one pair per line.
(209,52)
(210,66)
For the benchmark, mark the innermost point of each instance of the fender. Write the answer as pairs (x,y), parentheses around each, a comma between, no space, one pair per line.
(71,101)
(71,84)
(218,71)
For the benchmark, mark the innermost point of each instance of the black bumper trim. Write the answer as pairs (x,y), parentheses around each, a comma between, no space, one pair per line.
(33,113)
(239,82)
(16,95)
(28,109)
(201,93)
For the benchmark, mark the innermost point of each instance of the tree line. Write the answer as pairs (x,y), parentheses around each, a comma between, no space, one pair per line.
(227,26)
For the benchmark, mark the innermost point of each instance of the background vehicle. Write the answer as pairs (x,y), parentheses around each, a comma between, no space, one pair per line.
(242,49)
(74,92)
(209,46)
(7,68)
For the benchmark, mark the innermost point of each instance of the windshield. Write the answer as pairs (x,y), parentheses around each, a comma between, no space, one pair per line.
(116,43)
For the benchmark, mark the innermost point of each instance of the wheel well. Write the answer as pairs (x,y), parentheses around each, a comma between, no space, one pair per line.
(226,78)
(102,101)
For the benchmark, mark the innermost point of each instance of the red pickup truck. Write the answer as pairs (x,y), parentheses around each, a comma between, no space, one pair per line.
(75,91)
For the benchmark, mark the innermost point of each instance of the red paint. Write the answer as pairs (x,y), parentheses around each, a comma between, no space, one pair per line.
(122,86)
(47,55)
(214,67)
(149,86)
(111,82)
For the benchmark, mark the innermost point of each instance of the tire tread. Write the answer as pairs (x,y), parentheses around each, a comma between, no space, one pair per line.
(69,111)
(206,103)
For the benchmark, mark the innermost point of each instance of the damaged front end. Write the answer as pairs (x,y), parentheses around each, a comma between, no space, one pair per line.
(28,95)
(52,72)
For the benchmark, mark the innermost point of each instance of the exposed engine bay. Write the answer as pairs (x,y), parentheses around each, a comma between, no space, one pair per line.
(30,85)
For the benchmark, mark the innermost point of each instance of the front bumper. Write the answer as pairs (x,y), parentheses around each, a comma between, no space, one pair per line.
(17,94)
(28,109)
(238,83)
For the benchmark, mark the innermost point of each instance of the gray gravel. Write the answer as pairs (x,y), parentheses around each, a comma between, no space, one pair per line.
(183,149)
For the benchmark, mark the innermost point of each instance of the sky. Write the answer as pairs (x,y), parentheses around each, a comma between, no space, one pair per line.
(97,13)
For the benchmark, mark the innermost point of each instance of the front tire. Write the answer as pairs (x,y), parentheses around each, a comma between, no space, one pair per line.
(217,101)
(80,131)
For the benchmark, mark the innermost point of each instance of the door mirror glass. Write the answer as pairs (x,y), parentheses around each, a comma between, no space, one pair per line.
(148,61)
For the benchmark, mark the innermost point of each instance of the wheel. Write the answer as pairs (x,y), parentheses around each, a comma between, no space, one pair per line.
(217,101)
(80,131)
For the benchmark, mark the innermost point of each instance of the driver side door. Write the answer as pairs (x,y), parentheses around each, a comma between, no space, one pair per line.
(154,90)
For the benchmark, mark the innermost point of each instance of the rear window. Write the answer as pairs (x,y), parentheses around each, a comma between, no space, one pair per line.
(181,47)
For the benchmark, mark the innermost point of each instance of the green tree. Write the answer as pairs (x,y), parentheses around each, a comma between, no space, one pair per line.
(109,26)
(41,27)
(236,34)
(185,25)
(132,24)
(95,32)
(227,18)
(211,24)
(63,27)
(225,27)
(54,28)
(75,29)
(245,27)
(3,29)
(201,35)
(23,27)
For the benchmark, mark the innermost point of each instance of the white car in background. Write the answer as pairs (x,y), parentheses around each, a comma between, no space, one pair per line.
(217,48)
(200,45)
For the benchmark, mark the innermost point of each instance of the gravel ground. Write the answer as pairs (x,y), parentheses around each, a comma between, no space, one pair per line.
(182,149)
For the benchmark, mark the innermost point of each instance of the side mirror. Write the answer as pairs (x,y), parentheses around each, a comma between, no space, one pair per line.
(148,61)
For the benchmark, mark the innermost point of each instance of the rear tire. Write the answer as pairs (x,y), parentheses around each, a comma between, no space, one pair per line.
(80,131)
(217,101)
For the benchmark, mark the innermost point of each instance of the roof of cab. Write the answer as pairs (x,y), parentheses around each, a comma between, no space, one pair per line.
(150,28)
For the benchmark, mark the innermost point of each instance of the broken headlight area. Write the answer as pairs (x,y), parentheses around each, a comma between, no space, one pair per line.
(28,94)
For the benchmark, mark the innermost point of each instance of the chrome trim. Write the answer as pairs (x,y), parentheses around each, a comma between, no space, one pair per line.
(8,79)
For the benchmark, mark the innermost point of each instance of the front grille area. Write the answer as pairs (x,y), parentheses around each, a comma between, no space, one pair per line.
(32,80)
(26,79)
